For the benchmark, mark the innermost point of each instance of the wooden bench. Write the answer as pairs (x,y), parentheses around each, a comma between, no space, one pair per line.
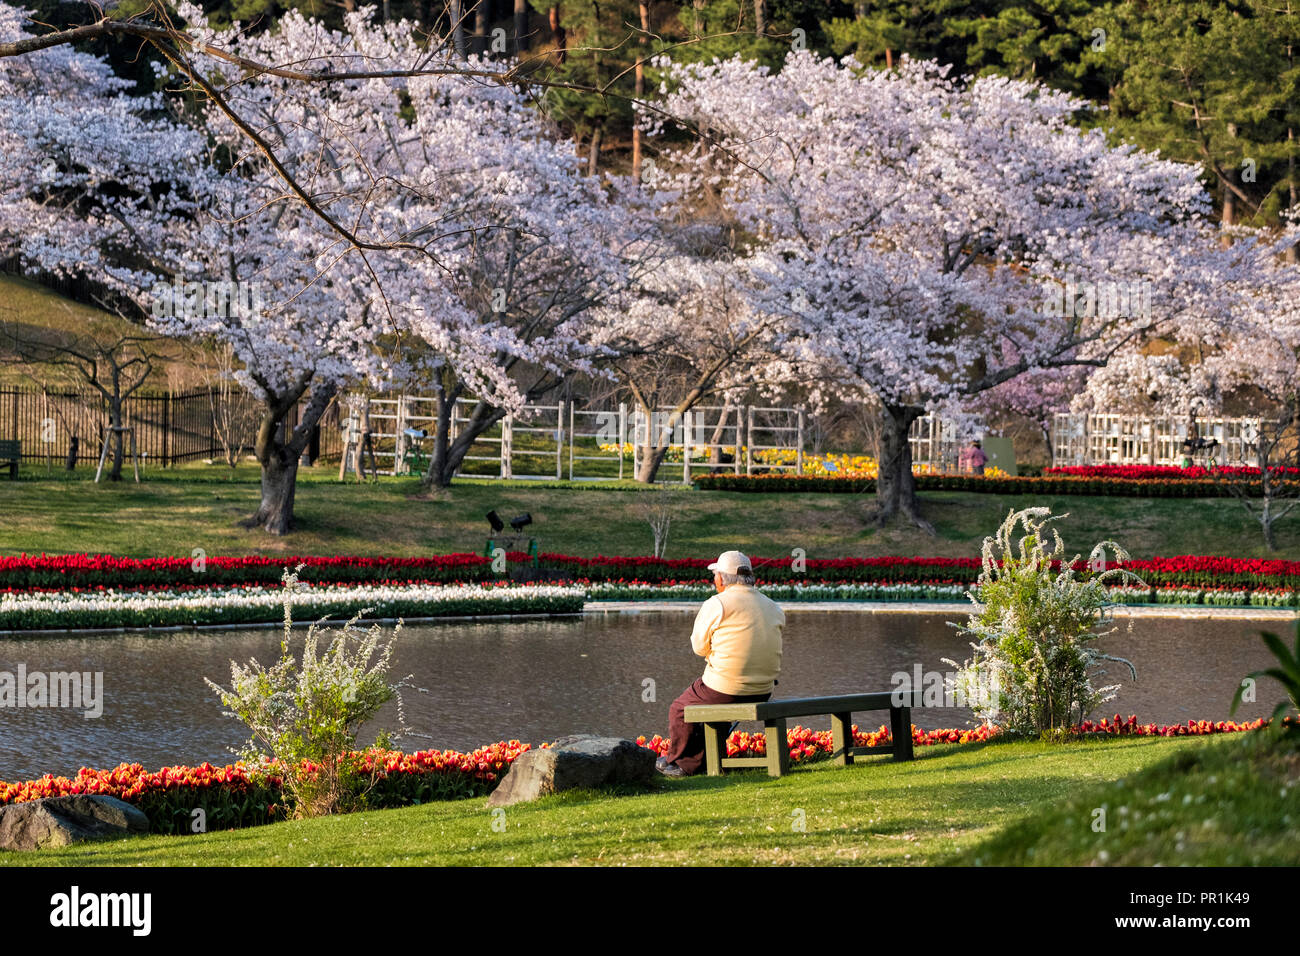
(11,451)
(718,720)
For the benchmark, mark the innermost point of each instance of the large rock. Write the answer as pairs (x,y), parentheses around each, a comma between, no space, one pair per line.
(572,763)
(59,821)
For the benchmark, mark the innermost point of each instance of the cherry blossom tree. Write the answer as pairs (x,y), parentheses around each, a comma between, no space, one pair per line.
(86,168)
(477,251)
(925,239)
(417,221)
(1036,396)
(689,333)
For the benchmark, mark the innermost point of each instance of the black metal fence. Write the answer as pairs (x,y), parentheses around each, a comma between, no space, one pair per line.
(169,427)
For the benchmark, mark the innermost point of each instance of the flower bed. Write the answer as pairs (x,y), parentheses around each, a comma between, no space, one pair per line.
(38,592)
(256,604)
(87,570)
(812,591)
(1052,484)
(882,570)
(239,795)
(1164,472)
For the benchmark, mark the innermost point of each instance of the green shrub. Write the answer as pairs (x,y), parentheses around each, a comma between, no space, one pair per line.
(1034,628)
(305,716)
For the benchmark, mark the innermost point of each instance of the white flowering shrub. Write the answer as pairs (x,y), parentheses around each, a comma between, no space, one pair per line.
(305,713)
(1035,620)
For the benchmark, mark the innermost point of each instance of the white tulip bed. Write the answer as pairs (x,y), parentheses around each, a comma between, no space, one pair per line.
(623,591)
(257,605)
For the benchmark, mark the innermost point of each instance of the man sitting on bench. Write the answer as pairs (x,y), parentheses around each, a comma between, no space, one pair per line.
(738,631)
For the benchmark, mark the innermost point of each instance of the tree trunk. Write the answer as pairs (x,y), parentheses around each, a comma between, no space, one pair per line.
(593,157)
(760,17)
(521,26)
(458,27)
(652,458)
(448,455)
(557,33)
(115,420)
(639,90)
(480,44)
(444,408)
(1292,252)
(715,439)
(279,479)
(895,485)
(1266,523)
(658,436)
(279,457)
(697,25)
(1229,197)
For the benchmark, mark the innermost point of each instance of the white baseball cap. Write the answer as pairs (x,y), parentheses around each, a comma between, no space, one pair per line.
(729,562)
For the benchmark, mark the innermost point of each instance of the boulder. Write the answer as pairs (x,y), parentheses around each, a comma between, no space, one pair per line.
(572,763)
(59,821)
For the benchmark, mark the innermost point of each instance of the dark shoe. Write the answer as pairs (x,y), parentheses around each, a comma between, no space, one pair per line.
(669,769)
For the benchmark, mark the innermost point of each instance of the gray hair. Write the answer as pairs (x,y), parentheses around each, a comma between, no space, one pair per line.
(742,576)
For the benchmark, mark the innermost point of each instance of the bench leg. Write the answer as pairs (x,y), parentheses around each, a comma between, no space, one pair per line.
(842,738)
(778,747)
(715,747)
(900,729)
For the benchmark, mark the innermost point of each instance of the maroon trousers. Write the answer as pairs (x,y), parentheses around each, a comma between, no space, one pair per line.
(686,741)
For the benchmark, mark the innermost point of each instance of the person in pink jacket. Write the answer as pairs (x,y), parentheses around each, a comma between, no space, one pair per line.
(973,459)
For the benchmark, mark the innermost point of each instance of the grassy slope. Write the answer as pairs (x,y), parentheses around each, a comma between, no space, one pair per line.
(928,811)
(35,312)
(1235,802)
(162,517)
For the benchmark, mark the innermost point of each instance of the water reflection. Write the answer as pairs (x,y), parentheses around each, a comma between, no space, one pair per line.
(537,680)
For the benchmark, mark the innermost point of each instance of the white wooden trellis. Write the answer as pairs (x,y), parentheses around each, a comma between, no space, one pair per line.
(935,443)
(567,431)
(610,428)
(1113,439)
(780,423)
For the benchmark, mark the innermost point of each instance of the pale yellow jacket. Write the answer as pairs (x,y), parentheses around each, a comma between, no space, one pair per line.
(739,633)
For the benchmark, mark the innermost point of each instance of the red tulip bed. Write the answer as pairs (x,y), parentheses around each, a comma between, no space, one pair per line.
(241,796)
(93,571)
(1168,472)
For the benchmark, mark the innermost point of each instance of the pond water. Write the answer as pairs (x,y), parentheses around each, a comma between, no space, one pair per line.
(537,680)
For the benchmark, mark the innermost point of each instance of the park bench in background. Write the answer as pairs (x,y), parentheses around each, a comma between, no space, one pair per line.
(718,720)
(11,450)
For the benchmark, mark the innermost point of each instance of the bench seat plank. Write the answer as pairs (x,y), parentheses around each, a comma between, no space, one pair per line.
(800,707)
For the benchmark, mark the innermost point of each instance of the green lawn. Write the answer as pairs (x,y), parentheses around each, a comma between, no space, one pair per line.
(937,809)
(1235,802)
(178,510)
